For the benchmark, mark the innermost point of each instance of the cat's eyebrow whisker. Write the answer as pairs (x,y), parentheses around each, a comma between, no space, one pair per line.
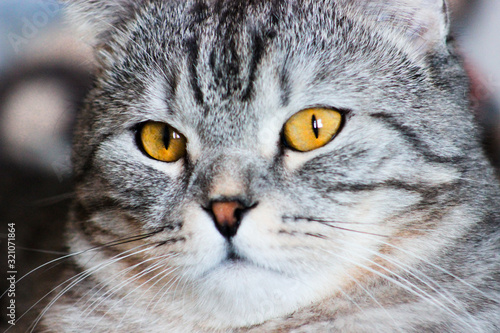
(77,279)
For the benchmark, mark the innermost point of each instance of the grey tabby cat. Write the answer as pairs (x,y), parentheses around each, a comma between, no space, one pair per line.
(278,166)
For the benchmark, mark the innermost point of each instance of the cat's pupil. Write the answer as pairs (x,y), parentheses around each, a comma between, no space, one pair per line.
(166,137)
(316,125)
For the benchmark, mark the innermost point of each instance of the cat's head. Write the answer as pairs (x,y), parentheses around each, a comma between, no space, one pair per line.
(276,150)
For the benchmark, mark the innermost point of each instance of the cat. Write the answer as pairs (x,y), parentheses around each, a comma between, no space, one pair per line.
(277,166)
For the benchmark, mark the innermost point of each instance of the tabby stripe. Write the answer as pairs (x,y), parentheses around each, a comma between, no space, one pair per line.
(173,84)
(430,194)
(410,136)
(232,15)
(83,216)
(88,226)
(284,81)
(83,172)
(276,12)
(200,12)
(394,184)
(171,241)
(89,230)
(257,52)
(192,50)
(107,203)
(316,235)
(108,249)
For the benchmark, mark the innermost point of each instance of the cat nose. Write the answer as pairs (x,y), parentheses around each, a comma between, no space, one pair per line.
(227,216)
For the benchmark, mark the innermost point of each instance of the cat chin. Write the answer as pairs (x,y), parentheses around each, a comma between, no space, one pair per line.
(236,294)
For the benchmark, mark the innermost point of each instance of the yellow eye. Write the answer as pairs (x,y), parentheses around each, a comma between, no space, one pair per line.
(312,128)
(162,142)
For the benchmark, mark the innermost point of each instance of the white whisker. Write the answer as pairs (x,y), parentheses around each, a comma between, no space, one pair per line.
(418,292)
(163,274)
(104,283)
(78,278)
(434,286)
(482,293)
(109,293)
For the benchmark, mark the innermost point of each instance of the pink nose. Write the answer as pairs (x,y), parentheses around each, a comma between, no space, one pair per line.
(227,216)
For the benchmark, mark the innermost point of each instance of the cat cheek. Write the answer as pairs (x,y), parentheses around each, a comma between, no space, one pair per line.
(261,222)
(294,160)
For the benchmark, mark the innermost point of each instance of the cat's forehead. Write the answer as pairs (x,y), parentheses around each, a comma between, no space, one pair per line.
(226,47)
(223,49)
(222,65)
(224,68)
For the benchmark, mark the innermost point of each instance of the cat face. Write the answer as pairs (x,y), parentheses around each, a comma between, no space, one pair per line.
(229,79)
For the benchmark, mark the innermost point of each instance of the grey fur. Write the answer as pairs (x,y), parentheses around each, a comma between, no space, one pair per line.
(391,227)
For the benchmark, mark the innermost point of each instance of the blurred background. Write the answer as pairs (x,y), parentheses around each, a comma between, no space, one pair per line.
(44,74)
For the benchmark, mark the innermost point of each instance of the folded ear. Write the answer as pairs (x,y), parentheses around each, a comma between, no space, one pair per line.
(424,23)
(97,19)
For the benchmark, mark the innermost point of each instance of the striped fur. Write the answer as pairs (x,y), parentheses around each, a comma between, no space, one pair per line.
(391,227)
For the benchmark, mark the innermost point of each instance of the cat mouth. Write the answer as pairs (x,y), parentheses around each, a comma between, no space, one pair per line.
(234,262)
(233,256)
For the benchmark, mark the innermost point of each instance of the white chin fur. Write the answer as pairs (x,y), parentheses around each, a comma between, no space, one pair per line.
(240,294)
